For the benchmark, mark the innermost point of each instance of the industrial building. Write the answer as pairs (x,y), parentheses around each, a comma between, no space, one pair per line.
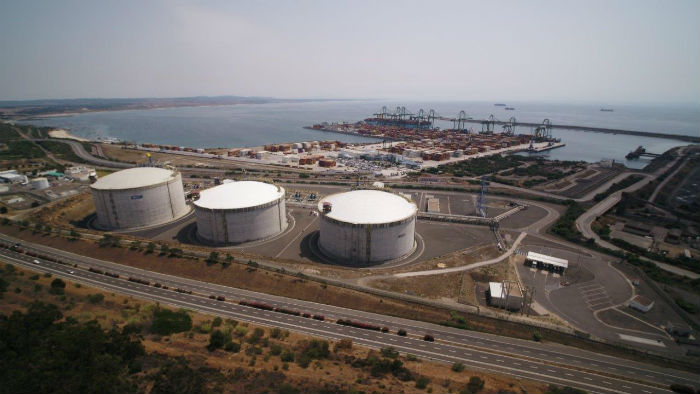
(543,261)
(506,295)
(366,226)
(238,212)
(138,197)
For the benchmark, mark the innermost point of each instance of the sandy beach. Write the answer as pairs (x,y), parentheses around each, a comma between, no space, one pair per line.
(61,133)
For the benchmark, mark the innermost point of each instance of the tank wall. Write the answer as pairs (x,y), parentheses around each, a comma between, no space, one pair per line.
(366,244)
(241,226)
(140,207)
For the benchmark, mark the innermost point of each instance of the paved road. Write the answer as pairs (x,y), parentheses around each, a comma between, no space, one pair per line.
(584,222)
(549,363)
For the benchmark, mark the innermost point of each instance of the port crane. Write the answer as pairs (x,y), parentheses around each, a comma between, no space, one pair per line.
(509,128)
(488,125)
(544,131)
(460,123)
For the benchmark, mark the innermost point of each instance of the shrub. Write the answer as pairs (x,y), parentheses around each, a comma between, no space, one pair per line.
(275,349)
(287,356)
(422,382)
(166,322)
(95,298)
(233,347)
(57,287)
(681,388)
(537,336)
(217,322)
(389,352)
(458,367)
(475,384)
(217,340)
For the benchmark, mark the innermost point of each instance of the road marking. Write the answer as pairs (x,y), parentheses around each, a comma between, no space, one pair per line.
(569,374)
(587,378)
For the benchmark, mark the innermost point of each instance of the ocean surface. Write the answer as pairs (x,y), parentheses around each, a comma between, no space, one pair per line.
(259,124)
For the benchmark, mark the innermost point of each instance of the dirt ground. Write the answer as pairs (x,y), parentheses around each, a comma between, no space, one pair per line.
(244,371)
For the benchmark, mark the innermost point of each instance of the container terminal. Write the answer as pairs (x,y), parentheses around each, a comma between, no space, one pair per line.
(409,142)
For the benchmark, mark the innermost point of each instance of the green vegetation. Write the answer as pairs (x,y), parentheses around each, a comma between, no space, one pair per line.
(458,367)
(553,389)
(58,287)
(21,149)
(474,385)
(629,181)
(565,226)
(40,353)
(308,351)
(167,322)
(457,321)
(686,306)
(94,298)
(8,132)
(61,150)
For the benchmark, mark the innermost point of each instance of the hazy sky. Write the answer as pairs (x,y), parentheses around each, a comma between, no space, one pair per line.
(598,51)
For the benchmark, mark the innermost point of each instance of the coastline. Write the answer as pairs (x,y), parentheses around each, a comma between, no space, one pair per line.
(65,134)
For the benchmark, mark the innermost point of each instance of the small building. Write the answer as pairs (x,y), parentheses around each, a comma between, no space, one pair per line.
(543,261)
(81,173)
(641,303)
(506,295)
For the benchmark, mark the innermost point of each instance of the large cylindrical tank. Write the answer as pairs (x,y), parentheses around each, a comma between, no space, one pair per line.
(239,212)
(138,197)
(367,226)
(39,183)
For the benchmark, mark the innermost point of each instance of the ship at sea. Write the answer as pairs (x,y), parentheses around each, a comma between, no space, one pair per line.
(500,105)
(510,109)
(606,110)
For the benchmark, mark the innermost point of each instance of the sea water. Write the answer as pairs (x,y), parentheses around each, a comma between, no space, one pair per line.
(258,124)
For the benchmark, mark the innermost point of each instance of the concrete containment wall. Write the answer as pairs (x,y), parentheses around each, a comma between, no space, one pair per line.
(227,226)
(140,206)
(367,243)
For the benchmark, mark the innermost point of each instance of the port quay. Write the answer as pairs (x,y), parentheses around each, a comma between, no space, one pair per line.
(408,142)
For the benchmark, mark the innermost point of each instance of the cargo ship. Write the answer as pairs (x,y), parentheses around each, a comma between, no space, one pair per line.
(510,109)
(606,110)
(499,105)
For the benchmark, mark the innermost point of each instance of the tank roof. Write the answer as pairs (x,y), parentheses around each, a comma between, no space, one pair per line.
(368,207)
(237,195)
(133,178)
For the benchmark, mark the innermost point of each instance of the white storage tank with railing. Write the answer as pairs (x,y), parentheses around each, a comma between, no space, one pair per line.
(367,226)
(238,212)
(138,197)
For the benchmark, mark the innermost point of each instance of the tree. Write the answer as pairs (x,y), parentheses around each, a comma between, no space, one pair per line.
(58,286)
(217,340)
(65,356)
(475,384)
(176,377)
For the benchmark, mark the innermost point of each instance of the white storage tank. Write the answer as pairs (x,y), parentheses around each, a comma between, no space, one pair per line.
(39,183)
(367,226)
(239,212)
(138,197)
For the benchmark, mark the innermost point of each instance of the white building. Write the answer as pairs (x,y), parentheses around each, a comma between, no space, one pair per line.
(366,226)
(543,261)
(237,212)
(138,197)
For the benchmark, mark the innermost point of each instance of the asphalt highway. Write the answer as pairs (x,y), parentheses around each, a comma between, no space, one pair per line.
(549,363)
